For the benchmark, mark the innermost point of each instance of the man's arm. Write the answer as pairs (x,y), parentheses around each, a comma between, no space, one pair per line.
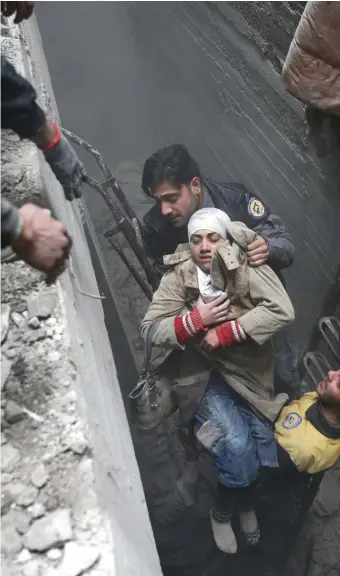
(21,113)
(19,109)
(278,250)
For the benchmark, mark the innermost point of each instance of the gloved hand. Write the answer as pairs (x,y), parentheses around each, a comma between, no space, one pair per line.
(65,165)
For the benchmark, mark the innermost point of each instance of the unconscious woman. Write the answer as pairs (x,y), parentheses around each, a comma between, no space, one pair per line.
(223,313)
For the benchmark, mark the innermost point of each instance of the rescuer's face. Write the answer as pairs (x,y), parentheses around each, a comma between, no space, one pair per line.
(329,389)
(202,246)
(179,204)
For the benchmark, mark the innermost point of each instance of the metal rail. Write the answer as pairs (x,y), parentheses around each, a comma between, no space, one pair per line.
(124,216)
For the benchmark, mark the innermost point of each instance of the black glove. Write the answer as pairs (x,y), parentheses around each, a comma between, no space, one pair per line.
(66,167)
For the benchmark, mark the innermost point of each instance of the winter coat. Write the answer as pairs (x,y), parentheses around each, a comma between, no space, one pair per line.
(258,301)
(312,68)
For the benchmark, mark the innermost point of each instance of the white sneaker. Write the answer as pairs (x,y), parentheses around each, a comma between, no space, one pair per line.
(224,536)
(249,527)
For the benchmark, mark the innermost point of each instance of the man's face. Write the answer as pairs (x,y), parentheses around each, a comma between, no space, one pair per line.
(178,204)
(203,245)
(329,389)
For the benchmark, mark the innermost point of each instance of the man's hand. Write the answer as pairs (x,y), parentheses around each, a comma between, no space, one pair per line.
(62,158)
(210,341)
(214,312)
(43,242)
(22,10)
(258,252)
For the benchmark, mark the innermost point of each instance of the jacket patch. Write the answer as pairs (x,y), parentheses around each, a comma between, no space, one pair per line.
(256,208)
(292,420)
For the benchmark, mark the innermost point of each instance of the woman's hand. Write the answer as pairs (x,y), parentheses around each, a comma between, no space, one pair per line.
(214,312)
(210,341)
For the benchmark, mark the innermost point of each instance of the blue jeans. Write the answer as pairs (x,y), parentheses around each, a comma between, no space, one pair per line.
(247,442)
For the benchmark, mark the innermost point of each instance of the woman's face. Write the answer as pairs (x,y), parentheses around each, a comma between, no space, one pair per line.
(203,245)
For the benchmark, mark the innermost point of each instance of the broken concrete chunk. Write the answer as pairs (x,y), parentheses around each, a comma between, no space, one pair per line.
(18,519)
(3,438)
(49,532)
(5,312)
(78,559)
(37,510)
(10,353)
(34,323)
(9,457)
(14,412)
(6,366)
(39,476)
(77,443)
(33,568)
(41,305)
(6,501)
(18,319)
(11,542)
(54,554)
(27,496)
(24,556)
(36,335)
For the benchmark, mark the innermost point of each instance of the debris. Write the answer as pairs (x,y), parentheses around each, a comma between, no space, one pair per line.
(51,322)
(3,438)
(27,496)
(33,568)
(5,312)
(6,366)
(41,304)
(54,554)
(6,501)
(18,319)
(14,412)
(37,510)
(53,356)
(78,559)
(10,353)
(49,532)
(17,518)
(24,556)
(40,476)
(34,323)
(9,457)
(77,443)
(36,335)
(10,540)
(33,415)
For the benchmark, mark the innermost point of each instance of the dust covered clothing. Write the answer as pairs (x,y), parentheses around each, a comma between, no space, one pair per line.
(10,223)
(259,303)
(19,109)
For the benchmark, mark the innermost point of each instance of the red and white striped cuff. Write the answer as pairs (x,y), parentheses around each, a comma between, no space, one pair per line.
(188,326)
(230,333)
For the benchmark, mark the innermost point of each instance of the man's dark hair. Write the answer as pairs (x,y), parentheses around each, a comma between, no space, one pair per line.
(170,164)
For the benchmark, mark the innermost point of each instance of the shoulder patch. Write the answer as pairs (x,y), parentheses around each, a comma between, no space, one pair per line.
(292,420)
(256,209)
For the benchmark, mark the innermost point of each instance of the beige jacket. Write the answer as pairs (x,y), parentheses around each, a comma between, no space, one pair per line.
(312,68)
(258,301)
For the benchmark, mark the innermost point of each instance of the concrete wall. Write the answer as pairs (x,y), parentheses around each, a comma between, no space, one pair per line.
(118,480)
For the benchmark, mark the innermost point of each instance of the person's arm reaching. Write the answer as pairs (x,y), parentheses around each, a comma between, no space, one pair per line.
(21,113)
(36,237)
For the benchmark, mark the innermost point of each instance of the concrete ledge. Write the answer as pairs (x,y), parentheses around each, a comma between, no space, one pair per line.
(118,482)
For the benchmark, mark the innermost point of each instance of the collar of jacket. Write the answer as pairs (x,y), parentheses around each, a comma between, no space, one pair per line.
(228,256)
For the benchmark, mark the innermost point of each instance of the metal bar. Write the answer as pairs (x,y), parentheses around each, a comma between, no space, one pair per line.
(137,276)
(110,179)
(127,229)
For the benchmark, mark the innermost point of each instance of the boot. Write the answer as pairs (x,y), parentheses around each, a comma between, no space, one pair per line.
(224,536)
(249,527)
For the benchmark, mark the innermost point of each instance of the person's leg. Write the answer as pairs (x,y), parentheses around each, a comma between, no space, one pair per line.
(225,433)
